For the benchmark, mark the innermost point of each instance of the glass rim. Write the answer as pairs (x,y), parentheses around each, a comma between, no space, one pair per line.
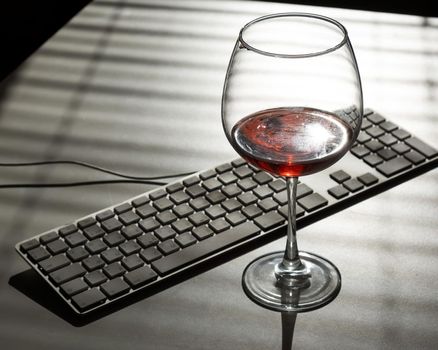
(294,14)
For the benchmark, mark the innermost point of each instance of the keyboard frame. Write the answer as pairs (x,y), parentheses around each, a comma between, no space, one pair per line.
(264,237)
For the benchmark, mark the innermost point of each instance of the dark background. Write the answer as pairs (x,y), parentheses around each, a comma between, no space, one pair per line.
(26,24)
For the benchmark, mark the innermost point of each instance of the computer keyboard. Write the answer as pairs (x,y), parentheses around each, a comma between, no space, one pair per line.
(111,254)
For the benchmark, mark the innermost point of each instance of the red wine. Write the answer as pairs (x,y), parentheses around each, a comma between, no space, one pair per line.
(291,141)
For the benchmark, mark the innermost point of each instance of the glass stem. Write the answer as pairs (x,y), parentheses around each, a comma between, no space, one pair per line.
(291,271)
(291,252)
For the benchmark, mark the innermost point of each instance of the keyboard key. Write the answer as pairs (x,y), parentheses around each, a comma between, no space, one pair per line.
(114,288)
(269,220)
(111,255)
(178,186)
(235,218)
(165,233)
(373,160)
(57,247)
(163,204)
(183,210)
(131,231)
(185,239)
(148,224)
(368,179)
(54,263)
(168,247)
(401,148)
(394,166)
(86,222)
(227,178)
(247,184)
(415,157)
(67,273)
(421,147)
(132,262)
(122,208)
(388,139)
(166,217)
(238,162)
(215,197)
(262,178)
(205,248)
(278,185)
(111,225)
(88,299)
(281,197)
(73,287)
(375,131)
(247,198)
(363,137)
(338,191)
(243,171)
(73,240)
(199,203)
(179,197)
(388,126)
(140,277)
(129,217)
(95,246)
(114,270)
(191,181)
(223,168)
(340,176)
(199,218)
(387,153)
(93,263)
(312,202)
(252,211)
(212,184)
(48,237)
(28,245)
(219,225)
(77,254)
(142,200)
(263,191)
(146,211)
(93,232)
(401,134)
(365,124)
(360,151)
(182,225)
(196,191)
(66,230)
(207,174)
(105,215)
(375,118)
(303,190)
(150,254)
(202,232)
(231,190)
(374,145)
(267,204)
(147,240)
(215,211)
(231,205)
(95,278)
(158,194)
(129,247)
(113,239)
(353,185)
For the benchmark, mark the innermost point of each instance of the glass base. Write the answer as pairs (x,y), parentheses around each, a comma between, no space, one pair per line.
(261,285)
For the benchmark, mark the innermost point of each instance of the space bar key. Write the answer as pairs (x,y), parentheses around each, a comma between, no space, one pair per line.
(188,255)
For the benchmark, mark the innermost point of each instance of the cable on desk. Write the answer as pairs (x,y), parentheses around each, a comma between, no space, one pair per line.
(151,180)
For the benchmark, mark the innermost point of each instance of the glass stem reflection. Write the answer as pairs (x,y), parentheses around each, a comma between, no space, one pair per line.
(291,271)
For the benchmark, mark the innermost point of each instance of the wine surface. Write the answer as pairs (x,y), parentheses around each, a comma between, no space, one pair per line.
(291,141)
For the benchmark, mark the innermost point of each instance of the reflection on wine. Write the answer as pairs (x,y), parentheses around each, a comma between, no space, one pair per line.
(292,141)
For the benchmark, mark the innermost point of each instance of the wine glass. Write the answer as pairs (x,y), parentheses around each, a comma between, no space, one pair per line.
(292,106)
